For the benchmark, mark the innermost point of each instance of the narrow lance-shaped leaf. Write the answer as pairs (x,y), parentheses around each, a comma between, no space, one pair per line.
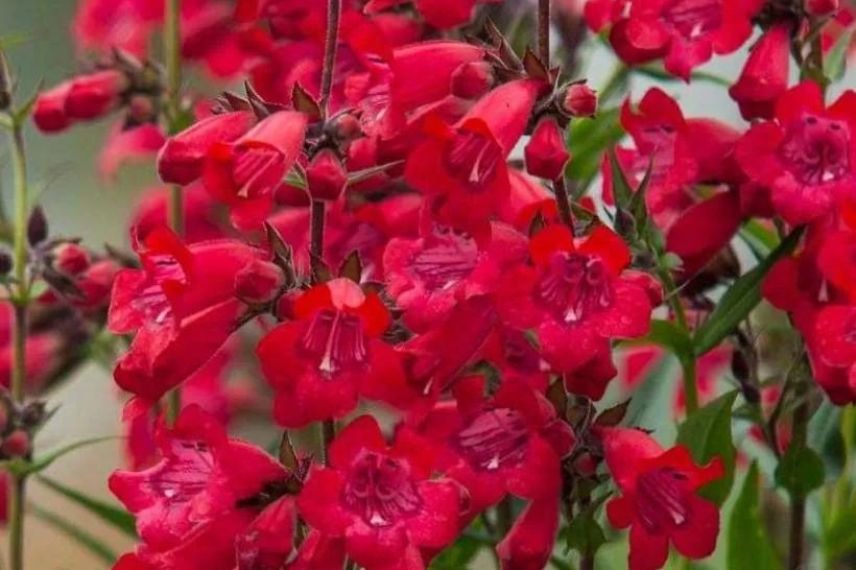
(587,139)
(749,546)
(112,515)
(740,299)
(707,434)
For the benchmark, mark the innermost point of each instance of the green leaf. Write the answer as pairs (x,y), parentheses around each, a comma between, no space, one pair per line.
(671,337)
(749,546)
(459,555)
(75,532)
(41,463)
(584,534)
(836,60)
(740,299)
(800,471)
(620,185)
(759,239)
(824,435)
(707,434)
(112,515)
(656,72)
(587,140)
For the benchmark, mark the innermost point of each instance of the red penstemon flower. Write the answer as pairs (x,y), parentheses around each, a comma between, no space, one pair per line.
(320,362)
(574,294)
(659,500)
(381,498)
(245,173)
(685,33)
(428,276)
(182,305)
(203,493)
(511,443)
(805,157)
(463,166)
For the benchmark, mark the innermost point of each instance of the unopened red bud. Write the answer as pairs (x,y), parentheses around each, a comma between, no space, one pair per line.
(580,101)
(180,159)
(473,79)
(285,305)
(49,112)
(71,259)
(546,154)
(96,94)
(141,109)
(585,465)
(347,127)
(259,282)
(326,176)
(16,444)
(821,7)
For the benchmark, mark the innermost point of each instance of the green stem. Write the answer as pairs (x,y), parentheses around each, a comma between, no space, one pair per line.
(17,495)
(328,434)
(688,365)
(172,61)
(796,541)
(614,82)
(17,485)
(563,202)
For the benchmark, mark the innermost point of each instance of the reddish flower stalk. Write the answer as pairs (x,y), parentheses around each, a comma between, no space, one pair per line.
(318,209)
(172,53)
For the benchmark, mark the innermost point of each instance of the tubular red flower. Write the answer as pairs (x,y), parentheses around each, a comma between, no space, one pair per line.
(181,158)
(380,498)
(658,498)
(49,113)
(546,153)
(805,158)
(765,75)
(91,96)
(244,174)
(321,362)
(193,504)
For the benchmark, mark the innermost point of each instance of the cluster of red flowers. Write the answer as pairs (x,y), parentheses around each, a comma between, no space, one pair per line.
(370,226)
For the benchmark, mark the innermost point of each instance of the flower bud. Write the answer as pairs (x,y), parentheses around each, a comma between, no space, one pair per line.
(96,94)
(37,226)
(765,75)
(326,177)
(346,127)
(16,444)
(259,282)
(71,259)
(821,7)
(580,101)
(6,262)
(49,112)
(472,80)
(141,109)
(546,155)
